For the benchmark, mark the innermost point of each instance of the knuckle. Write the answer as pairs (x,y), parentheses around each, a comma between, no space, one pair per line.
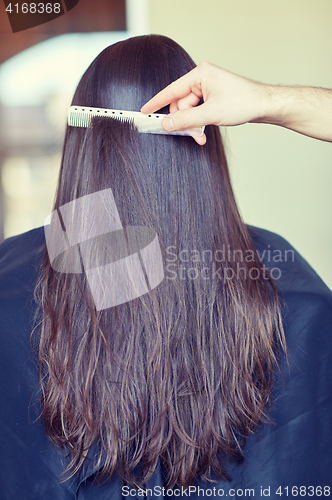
(180,119)
(171,90)
(205,66)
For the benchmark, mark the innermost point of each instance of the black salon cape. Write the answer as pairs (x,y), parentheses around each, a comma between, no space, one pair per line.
(294,451)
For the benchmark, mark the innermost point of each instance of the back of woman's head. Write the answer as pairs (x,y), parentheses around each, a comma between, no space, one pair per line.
(174,169)
(183,373)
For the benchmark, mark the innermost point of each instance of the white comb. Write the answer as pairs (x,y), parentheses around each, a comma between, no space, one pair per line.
(80,116)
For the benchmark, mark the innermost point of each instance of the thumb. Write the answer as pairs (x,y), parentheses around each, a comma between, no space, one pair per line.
(194,117)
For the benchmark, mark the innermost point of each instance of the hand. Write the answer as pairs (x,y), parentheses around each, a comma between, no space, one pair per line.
(229,100)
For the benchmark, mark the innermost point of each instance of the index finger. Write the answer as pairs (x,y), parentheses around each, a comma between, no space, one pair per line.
(175,90)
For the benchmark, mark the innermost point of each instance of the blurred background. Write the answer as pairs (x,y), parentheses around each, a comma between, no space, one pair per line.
(282,180)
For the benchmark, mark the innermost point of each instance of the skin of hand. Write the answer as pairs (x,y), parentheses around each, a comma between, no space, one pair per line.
(230,100)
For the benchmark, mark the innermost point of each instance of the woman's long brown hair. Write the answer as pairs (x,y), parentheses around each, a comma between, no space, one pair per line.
(182,374)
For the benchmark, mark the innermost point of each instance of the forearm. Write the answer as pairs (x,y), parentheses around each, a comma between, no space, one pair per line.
(307,110)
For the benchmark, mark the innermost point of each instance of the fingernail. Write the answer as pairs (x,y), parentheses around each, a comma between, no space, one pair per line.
(168,123)
(197,132)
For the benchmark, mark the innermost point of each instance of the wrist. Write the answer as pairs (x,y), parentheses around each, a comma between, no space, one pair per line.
(276,104)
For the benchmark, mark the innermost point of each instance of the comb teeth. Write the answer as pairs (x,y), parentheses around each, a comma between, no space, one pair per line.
(80,116)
